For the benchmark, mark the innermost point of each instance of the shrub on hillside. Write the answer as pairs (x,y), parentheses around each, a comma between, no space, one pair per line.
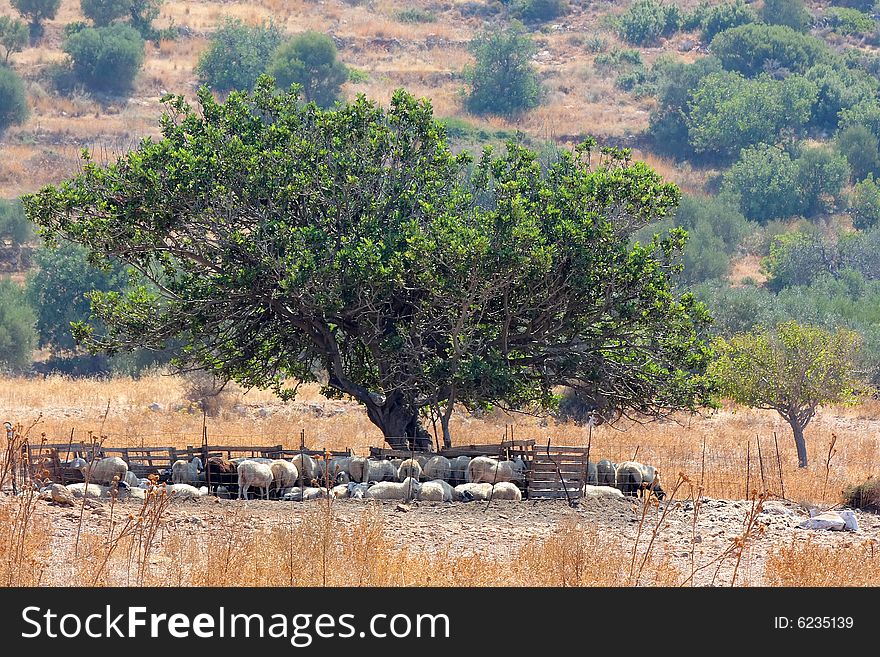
(104,12)
(503,80)
(105,58)
(790,13)
(538,11)
(647,20)
(756,48)
(764,180)
(13,99)
(850,22)
(865,204)
(17,335)
(237,55)
(309,60)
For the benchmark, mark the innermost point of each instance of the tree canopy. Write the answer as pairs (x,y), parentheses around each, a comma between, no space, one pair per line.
(792,369)
(351,247)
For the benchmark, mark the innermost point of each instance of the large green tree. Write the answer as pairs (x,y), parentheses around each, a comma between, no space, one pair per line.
(309,60)
(37,11)
(351,246)
(792,369)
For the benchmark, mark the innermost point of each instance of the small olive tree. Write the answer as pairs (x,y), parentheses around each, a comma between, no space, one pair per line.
(792,369)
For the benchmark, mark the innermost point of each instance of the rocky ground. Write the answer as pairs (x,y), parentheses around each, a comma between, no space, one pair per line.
(500,528)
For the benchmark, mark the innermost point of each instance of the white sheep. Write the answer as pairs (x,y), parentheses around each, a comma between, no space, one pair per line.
(379,471)
(484,469)
(183,491)
(458,470)
(409,468)
(337,469)
(422,459)
(91,491)
(505,490)
(606,471)
(602,491)
(437,467)
(392,490)
(251,473)
(103,471)
(340,491)
(284,473)
(634,478)
(306,466)
(436,490)
(357,491)
(469,492)
(357,467)
(298,494)
(185,472)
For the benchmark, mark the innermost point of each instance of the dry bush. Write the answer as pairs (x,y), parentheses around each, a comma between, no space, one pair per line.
(865,496)
(25,538)
(804,563)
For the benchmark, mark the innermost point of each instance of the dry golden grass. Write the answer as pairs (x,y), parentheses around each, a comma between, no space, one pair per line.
(803,563)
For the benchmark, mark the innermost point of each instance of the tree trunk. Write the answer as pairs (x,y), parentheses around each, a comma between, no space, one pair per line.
(399,423)
(800,443)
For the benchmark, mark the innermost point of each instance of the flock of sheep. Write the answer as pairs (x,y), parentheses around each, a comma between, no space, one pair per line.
(424,477)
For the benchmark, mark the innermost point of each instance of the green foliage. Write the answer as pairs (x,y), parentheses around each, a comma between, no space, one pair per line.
(106,58)
(737,309)
(13,99)
(17,335)
(791,13)
(13,36)
(849,22)
(715,19)
(647,20)
(309,60)
(59,290)
(764,180)
(839,88)
(36,11)
(503,80)
(861,5)
(142,15)
(797,259)
(415,15)
(728,112)
(792,369)
(865,204)
(538,11)
(821,174)
(237,55)
(865,113)
(756,48)
(627,65)
(861,149)
(718,212)
(104,12)
(353,244)
(705,256)
(14,226)
(674,81)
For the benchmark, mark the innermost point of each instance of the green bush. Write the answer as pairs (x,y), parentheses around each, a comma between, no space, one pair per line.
(142,15)
(839,88)
(756,48)
(13,99)
(37,11)
(13,36)
(237,55)
(737,309)
(728,112)
(714,20)
(415,15)
(104,12)
(821,175)
(720,212)
(17,334)
(105,58)
(765,182)
(865,204)
(795,259)
(14,226)
(309,60)
(850,22)
(647,20)
(861,5)
(503,80)
(861,148)
(791,13)
(705,256)
(538,11)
